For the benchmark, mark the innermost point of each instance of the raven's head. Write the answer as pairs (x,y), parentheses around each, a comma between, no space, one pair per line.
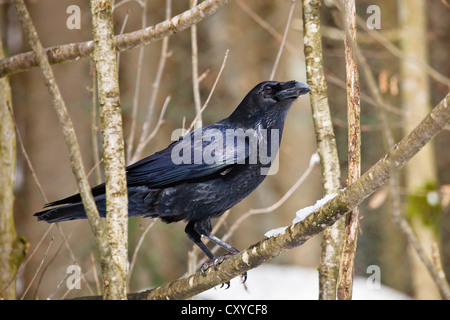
(269,102)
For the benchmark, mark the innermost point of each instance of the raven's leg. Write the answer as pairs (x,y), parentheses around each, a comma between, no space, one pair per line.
(196,238)
(204,228)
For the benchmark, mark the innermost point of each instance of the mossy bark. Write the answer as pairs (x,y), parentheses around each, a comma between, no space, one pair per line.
(11,247)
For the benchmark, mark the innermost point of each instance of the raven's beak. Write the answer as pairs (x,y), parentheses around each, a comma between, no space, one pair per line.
(293,90)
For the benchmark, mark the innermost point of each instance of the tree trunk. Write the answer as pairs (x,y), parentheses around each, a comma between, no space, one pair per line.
(104,56)
(11,248)
(421,171)
(326,145)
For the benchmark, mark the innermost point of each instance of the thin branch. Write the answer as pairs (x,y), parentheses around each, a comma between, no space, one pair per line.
(440,274)
(94,128)
(266,26)
(345,279)
(155,89)
(404,226)
(283,41)
(137,87)
(74,51)
(211,92)
(41,277)
(141,146)
(27,158)
(118,4)
(195,77)
(27,260)
(138,247)
(124,24)
(38,269)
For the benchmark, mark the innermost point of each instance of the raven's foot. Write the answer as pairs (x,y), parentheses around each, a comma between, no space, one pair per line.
(216,261)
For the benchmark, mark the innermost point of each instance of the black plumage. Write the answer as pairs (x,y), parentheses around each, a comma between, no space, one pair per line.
(202,175)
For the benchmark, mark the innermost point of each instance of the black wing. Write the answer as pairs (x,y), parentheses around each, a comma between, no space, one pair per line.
(197,155)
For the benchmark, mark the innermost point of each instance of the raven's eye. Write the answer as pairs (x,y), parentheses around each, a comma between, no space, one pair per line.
(268,90)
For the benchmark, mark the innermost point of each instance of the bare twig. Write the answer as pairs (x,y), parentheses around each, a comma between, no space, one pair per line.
(27,260)
(124,24)
(75,51)
(283,41)
(138,247)
(94,273)
(27,158)
(155,90)
(141,146)
(118,4)
(38,269)
(211,92)
(437,262)
(442,284)
(195,81)
(41,277)
(94,128)
(266,26)
(137,87)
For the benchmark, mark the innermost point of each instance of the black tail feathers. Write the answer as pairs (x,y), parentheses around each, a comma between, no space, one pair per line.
(62,213)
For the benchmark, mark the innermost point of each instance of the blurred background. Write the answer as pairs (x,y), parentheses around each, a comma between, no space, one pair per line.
(252,31)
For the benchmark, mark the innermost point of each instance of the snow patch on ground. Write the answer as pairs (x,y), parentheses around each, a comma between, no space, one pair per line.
(281,282)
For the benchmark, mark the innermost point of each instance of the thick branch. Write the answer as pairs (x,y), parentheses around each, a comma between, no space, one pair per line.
(115,267)
(11,252)
(315,223)
(345,281)
(73,51)
(326,145)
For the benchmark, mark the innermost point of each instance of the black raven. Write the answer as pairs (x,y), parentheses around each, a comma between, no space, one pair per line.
(205,172)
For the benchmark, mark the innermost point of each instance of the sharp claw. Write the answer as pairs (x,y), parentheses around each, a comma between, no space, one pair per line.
(244,277)
(202,270)
(215,262)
